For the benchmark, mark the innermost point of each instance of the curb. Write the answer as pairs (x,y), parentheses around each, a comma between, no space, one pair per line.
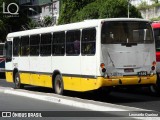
(76,102)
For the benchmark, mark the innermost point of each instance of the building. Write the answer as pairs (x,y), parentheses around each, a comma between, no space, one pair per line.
(38,9)
(150,12)
(138,2)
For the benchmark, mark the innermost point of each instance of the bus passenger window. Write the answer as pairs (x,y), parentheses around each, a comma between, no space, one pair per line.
(16,46)
(24,45)
(34,45)
(45,46)
(73,42)
(58,43)
(88,41)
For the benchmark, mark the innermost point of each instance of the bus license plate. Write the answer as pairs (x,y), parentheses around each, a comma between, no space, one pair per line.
(142,73)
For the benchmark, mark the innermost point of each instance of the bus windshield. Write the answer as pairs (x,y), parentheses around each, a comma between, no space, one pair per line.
(117,32)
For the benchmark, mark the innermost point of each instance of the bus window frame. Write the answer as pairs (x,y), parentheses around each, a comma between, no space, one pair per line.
(42,45)
(89,54)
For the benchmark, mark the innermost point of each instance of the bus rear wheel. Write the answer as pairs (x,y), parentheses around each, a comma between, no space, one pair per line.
(58,85)
(17,82)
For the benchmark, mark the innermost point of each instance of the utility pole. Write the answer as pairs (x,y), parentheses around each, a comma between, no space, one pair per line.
(128,8)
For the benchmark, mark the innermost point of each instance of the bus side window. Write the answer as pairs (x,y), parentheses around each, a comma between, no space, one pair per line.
(34,45)
(88,41)
(8,48)
(24,45)
(58,43)
(16,46)
(73,42)
(45,46)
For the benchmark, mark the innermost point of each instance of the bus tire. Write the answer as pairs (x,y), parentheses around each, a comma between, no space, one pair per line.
(58,85)
(155,89)
(17,82)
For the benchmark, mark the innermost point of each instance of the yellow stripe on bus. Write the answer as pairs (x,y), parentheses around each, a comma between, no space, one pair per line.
(81,84)
(9,76)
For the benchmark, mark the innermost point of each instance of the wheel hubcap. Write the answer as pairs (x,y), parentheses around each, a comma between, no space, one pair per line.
(58,86)
(17,81)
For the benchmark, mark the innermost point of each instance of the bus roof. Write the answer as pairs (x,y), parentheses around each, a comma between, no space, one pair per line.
(78,25)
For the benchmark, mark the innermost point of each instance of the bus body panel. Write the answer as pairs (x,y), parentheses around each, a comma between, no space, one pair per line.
(83,72)
(124,60)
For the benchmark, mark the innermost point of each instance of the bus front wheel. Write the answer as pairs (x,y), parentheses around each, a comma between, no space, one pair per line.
(58,85)
(17,82)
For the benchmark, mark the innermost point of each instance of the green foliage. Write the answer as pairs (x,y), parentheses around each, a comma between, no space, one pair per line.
(156,1)
(32,24)
(144,5)
(94,9)
(10,23)
(47,21)
(155,19)
(88,12)
(70,8)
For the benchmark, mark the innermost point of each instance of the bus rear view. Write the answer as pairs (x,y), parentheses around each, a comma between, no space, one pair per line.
(127,52)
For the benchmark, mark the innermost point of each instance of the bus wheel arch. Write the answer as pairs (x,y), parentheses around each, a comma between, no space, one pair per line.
(57,82)
(17,80)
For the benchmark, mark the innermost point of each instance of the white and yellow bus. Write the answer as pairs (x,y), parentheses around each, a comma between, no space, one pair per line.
(83,56)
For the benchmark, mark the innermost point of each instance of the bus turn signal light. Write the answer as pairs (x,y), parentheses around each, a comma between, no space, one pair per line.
(102,65)
(153,63)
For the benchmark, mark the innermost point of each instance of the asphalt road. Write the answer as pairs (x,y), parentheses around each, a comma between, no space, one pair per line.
(139,98)
(13,103)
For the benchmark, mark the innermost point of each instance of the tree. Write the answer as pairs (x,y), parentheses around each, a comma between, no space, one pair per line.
(10,23)
(155,1)
(70,8)
(97,9)
(46,22)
